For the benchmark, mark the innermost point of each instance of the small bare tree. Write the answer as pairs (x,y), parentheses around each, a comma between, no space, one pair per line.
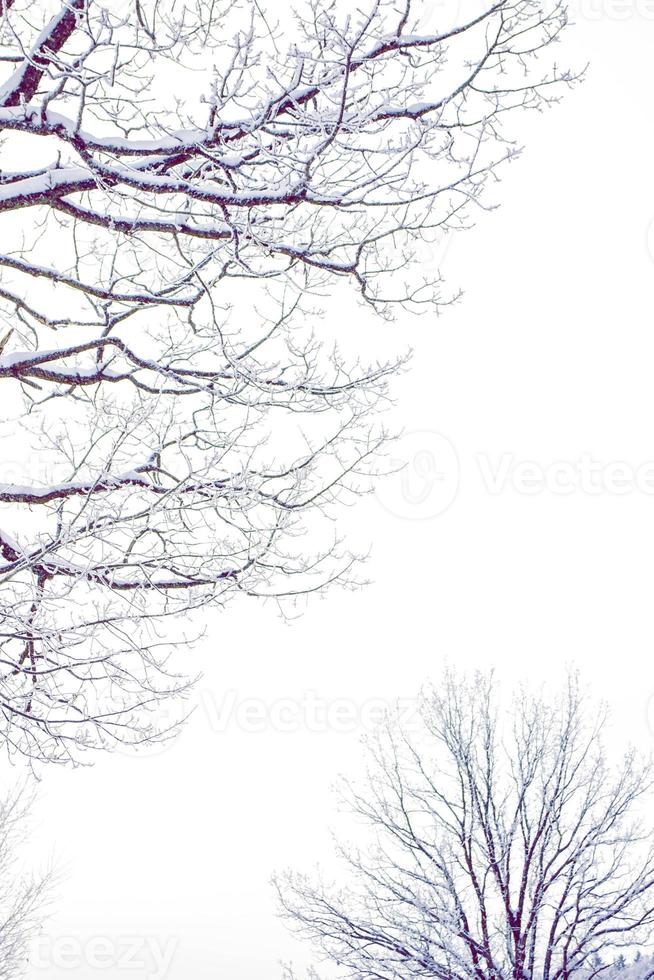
(22,897)
(501,851)
(179,187)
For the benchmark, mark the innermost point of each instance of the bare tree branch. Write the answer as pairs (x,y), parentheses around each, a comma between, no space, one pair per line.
(180,188)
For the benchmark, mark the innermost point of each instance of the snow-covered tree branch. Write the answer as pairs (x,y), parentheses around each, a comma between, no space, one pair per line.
(179,187)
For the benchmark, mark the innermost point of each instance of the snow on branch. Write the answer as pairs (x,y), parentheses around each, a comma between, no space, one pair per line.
(182,187)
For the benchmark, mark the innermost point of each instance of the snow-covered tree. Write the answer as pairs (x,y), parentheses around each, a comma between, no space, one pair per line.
(22,897)
(503,846)
(641,967)
(181,184)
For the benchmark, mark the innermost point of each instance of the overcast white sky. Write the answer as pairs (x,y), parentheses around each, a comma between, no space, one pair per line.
(549,360)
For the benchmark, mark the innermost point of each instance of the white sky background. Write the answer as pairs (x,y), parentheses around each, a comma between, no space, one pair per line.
(548,358)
